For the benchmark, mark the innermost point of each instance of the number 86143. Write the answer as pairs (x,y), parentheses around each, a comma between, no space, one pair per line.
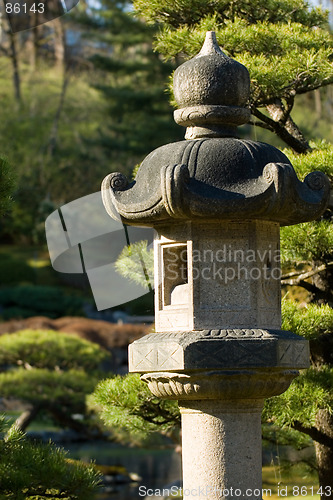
(23,8)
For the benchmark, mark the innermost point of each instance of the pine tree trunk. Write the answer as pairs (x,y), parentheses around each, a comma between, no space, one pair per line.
(324,455)
(318,103)
(59,43)
(36,37)
(30,48)
(287,129)
(25,419)
(55,127)
(16,73)
(324,283)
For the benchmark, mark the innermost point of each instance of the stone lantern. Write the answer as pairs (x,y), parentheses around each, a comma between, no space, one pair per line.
(216,203)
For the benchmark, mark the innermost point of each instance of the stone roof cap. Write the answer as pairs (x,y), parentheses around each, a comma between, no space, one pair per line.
(212,91)
(213,175)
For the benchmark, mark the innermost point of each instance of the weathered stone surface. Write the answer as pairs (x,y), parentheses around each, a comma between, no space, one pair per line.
(212,91)
(211,78)
(217,275)
(218,349)
(233,384)
(222,178)
(233,431)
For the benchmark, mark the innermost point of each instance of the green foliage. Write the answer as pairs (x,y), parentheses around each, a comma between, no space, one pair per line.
(283,44)
(13,270)
(125,403)
(282,436)
(50,350)
(26,301)
(309,322)
(190,12)
(312,390)
(48,389)
(139,115)
(29,471)
(136,263)
(48,169)
(7,184)
(319,158)
(310,241)
(308,393)
(51,371)
(280,58)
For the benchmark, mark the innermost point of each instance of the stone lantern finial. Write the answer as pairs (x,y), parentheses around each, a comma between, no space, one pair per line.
(210,45)
(212,91)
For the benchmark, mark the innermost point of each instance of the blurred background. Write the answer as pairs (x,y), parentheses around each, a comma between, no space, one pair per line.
(82,96)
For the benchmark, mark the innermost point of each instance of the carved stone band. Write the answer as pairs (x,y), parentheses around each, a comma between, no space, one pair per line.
(220,384)
(204,115)
(218,349)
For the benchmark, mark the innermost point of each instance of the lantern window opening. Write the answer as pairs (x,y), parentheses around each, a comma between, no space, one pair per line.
(175,275)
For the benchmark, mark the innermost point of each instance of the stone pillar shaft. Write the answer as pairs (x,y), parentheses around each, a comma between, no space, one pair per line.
(221,449)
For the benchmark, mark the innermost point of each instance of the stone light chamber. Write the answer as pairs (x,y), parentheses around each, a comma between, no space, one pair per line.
(216,203)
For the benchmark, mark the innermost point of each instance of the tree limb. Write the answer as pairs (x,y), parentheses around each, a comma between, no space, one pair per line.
(314,290)
(310,88)
(264,118)
(288,108)
(261,124)
(284,128)
(314,434)
(25,419)
(303,276)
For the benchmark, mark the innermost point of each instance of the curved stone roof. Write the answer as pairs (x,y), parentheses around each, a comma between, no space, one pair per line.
(213,174)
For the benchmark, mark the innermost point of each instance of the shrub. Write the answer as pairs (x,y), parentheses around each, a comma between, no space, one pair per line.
(26,301)
(14,271)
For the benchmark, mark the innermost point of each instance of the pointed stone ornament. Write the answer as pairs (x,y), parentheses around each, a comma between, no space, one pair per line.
(211,46)
(212,91)
(217,203)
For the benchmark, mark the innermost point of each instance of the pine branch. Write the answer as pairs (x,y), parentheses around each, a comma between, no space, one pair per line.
(303,276)
(298,144)
(65,420)
(288,108)
(40,494)
(261,125)
(150,414)
(290,275)
(312,289)
(314,434)
(268,121)
(25,419)
(311,88)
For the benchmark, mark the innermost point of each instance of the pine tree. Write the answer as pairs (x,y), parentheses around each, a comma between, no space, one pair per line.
(288,49)
(284,44)
(6,185)
(51,372)
(32,470)
(125,404)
